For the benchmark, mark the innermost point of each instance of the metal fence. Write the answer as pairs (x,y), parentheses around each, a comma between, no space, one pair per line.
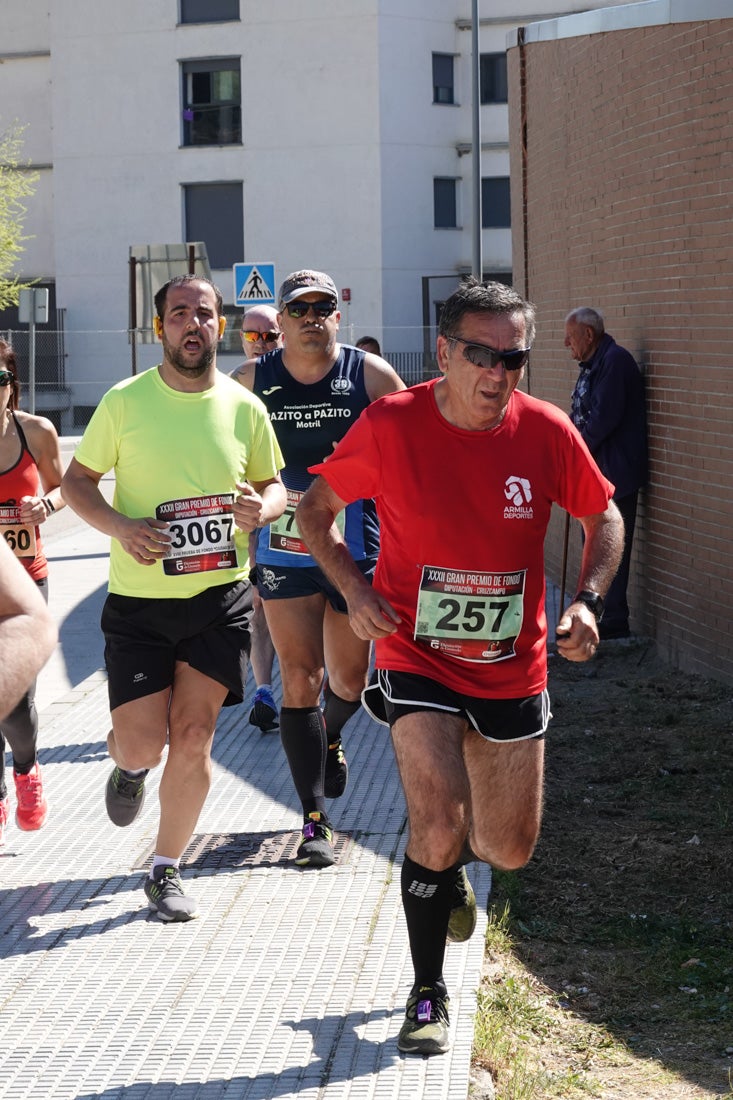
(413,366)
(50,356)
(73,369)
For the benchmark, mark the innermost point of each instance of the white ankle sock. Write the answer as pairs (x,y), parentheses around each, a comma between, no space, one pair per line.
(162,861)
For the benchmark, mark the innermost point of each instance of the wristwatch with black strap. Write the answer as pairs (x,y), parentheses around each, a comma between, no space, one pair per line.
(592,601)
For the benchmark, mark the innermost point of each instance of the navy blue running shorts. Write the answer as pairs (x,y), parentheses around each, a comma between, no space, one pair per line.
(145,637)
(391,695)
(287,583)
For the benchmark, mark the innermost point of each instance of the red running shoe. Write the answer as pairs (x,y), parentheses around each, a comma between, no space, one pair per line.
(32,805)
(3,819)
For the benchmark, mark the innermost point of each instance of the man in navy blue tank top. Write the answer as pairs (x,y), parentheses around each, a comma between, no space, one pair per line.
(314,389)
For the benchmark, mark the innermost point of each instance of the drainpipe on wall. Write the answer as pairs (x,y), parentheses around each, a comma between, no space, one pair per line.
(478,259)
(132,326)
(523,131)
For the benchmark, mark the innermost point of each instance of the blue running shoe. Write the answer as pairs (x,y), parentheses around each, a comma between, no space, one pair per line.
(264,713)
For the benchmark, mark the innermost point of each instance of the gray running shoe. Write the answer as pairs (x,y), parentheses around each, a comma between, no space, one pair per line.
(166,897)
(463,909)
(425,1030)
(124,796)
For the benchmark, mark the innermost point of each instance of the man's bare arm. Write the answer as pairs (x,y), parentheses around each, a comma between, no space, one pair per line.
(370,615)
(379,377)
(604,543)
(259,503)
(143,538)
(245,374)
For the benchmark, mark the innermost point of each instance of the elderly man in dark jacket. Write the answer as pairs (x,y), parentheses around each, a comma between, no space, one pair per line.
(608,409)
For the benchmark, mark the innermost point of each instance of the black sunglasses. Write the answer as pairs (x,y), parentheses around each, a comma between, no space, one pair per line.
(301,309)
(266,337)
(6,378)
(482,356)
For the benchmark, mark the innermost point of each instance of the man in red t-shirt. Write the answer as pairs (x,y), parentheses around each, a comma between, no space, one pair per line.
(464,470)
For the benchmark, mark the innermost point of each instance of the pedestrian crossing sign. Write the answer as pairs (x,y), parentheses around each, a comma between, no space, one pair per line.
(254,284)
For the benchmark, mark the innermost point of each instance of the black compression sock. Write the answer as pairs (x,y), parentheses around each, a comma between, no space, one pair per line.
(303,736)
(426,899)
(336,713)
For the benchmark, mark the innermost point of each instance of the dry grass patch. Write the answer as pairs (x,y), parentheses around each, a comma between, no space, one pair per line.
(609,964)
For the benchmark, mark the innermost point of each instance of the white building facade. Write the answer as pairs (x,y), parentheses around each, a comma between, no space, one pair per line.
(335,136)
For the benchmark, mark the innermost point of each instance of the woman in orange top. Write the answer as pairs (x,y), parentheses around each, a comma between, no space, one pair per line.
(30,476)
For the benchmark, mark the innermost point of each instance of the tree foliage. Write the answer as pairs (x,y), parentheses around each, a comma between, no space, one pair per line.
(16,184)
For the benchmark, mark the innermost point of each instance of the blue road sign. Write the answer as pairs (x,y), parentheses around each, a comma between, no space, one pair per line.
(254,284)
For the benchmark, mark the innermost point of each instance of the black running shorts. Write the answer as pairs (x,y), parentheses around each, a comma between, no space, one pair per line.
(391,695)
(145,637)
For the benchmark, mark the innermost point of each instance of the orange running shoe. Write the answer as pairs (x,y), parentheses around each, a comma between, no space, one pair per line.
(32,805)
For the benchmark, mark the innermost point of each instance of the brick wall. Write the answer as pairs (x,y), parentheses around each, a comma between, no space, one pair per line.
(623,202)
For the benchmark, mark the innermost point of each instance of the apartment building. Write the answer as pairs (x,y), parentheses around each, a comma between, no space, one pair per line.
(337,136)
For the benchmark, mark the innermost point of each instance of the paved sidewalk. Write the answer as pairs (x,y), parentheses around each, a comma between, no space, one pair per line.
(78,569)
(291,983)
(78,565)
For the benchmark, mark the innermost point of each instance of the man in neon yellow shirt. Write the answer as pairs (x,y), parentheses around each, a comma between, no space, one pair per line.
(196,468)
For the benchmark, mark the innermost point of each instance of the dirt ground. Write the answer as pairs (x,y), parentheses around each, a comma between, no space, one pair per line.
(624,916)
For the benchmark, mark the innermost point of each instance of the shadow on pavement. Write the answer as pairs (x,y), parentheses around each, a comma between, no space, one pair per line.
(328,1064)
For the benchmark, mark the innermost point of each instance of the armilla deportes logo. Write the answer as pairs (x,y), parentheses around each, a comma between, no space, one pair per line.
(518,492)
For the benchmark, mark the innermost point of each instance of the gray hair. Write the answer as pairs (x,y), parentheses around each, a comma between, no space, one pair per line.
(586,315)
(473,296)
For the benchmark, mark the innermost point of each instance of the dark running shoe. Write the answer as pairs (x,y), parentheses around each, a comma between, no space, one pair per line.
(425,1030)
(264,713)
(316,846)
(337,771)
(166,897)
(463,909)
(124,796)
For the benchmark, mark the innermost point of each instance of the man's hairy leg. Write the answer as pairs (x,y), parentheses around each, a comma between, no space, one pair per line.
(296,629)
(428,747)
(184,785)
(347,657)
(429,750)
(506,780)
(139,731)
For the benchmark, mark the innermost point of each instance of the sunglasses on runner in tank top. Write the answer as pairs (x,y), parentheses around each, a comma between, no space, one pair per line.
(301,309)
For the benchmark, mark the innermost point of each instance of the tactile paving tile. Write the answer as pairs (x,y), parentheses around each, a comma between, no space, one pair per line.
(226,851)
(293,981)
